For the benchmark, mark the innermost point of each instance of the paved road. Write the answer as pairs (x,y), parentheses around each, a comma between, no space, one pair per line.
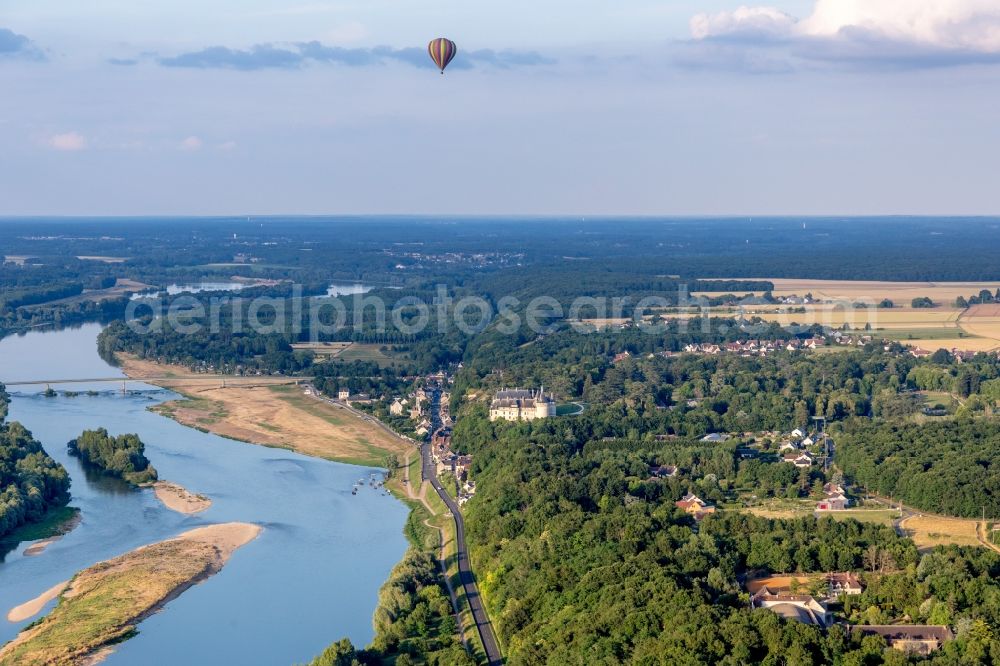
(468,581)
(466,578)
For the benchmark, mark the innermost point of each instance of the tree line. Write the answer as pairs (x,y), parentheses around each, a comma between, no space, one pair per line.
(31,482)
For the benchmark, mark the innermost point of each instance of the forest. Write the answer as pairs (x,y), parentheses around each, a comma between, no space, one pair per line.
(578,565)
(948,467)
(31,482)
(123,456)
(583,558)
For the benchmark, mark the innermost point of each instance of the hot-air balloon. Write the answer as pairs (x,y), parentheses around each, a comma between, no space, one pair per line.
(442,52)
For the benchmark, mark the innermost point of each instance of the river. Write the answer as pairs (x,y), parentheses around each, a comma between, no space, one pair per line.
(311,577)
(336,289)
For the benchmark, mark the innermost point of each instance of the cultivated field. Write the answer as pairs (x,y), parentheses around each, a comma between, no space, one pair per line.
(943,293)
(777,511)
(720,294)
(834,315)
(983,321)
(940,327)
(944,326)
(929,531)
(987,310)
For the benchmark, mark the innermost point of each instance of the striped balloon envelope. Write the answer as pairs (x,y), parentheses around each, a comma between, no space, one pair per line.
(442,52)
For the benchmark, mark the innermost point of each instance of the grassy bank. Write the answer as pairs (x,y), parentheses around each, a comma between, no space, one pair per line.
(267,411)
(56,522)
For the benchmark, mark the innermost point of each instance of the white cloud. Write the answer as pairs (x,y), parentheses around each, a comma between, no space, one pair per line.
(741,21)
(70,141)
(972,25)
(900,33)
(227,146)
(191,144)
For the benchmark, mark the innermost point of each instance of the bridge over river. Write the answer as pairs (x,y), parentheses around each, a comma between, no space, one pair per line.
(167,380)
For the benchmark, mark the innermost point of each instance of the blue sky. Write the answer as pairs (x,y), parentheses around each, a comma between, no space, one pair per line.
(583,107)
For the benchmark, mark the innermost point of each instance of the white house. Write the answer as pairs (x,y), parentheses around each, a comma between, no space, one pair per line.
(800,460)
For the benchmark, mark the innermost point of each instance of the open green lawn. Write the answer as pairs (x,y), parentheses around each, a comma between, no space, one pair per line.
(880,516)
(932,398)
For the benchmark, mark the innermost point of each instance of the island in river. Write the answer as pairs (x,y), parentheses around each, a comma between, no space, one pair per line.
(103,604)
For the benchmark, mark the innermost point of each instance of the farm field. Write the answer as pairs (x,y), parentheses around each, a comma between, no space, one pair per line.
(943,293)
(962,344)
(928,531)
(734,292)
(880,516)
(928,328)
(834,315)
(977,329)
(942,327)
(983,321)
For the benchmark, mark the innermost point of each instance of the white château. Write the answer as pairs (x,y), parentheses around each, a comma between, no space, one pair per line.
(522,405)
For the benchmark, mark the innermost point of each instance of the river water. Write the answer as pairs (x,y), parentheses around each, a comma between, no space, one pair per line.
(310,578)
